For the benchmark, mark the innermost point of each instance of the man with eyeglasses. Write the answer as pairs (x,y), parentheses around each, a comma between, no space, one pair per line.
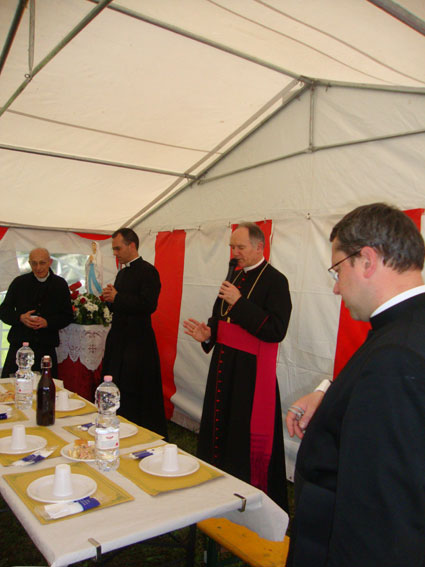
(36,306)
(360,472)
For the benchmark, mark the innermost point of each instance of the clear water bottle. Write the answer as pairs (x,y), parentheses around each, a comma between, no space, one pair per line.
(107,433)
(24,377)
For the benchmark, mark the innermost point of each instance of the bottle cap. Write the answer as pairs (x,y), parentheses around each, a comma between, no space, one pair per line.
(107,378)
(46,361)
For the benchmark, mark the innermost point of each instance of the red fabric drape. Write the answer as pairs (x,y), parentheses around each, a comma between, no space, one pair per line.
(3,230)
(352,334)
(169,261)
(93,235)
(77,378)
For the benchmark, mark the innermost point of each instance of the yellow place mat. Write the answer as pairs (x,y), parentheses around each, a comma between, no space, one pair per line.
(87,408)
(156,484)
(108,493)
(10,389)
(17,415)
(51,438)
(142,436)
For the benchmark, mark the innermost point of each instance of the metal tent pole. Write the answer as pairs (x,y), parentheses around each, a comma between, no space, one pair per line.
(12,32)
(76,30)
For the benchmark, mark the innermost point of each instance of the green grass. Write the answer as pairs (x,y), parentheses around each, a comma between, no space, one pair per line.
(18,549)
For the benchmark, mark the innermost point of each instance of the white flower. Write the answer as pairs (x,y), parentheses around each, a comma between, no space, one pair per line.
(91,307)
(107,314)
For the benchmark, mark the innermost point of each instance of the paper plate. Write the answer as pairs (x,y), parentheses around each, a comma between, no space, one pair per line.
(74,404)
(7,397)
(34,442)
(5,409)
(126,430)
(41,489)
(153,465)
(65,453)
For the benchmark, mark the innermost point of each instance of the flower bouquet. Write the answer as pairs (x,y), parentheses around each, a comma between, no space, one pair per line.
(88,308)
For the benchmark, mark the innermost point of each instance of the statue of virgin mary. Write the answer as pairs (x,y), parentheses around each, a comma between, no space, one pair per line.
(94,271)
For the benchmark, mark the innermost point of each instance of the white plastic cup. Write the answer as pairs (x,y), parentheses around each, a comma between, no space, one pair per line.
(62,483)
(62,401)
(19,441)
(170,460)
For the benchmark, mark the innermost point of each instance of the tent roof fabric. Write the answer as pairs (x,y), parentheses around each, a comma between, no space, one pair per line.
(150,93)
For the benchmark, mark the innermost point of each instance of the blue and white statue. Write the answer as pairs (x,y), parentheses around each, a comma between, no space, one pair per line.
(94,271)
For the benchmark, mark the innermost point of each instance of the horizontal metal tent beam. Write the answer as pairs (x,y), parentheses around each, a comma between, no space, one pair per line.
(95,161)
(58,228)
(310,150)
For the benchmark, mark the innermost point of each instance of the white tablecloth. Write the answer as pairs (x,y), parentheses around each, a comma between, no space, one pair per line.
(82,342)
(67,541)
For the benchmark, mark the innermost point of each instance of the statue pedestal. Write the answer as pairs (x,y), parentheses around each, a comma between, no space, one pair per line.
(80,355)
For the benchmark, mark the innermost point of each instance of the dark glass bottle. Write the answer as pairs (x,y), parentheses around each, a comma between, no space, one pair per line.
(46,394)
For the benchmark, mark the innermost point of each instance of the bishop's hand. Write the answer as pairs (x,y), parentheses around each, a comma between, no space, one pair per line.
(197,329)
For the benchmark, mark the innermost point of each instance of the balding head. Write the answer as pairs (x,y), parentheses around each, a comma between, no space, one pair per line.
(40,262)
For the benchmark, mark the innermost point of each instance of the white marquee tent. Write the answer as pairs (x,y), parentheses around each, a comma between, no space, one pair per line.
(181,117)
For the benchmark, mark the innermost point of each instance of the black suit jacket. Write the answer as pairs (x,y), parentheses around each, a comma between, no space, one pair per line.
(360,473)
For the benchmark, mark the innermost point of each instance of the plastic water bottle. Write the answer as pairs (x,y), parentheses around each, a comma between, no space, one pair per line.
(107,433)
(24,377)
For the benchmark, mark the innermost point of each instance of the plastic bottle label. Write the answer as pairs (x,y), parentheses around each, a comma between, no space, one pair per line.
(107,439)
(24,386)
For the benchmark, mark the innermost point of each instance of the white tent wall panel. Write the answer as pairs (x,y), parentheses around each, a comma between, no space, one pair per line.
(286,132)
(342,115)
(389,170)
(302,252)
(23,240)
(207,255)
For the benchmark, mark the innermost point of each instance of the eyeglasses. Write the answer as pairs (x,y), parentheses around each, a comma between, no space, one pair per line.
(334,273)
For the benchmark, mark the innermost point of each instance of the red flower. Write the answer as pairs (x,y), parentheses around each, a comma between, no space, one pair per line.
(83,300)
(75,286)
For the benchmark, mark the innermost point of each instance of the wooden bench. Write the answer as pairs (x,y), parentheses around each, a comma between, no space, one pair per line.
(243,543)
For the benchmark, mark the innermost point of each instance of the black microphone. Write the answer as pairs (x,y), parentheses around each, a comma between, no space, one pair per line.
(232,265)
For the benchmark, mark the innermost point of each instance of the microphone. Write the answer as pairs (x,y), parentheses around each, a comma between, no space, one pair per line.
(232,265)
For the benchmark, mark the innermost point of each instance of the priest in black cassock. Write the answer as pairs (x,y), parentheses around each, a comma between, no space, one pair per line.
(131,353)
(241,427)
(359,477)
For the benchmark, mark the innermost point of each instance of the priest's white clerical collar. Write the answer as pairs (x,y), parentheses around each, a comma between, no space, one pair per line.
(129,263)
(249,268)
(42,279)
(399,298)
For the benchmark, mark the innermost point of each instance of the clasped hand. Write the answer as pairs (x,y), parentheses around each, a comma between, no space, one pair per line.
(109,293)
(33,321)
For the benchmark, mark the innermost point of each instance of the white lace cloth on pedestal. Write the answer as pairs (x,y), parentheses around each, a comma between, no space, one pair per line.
(83,342)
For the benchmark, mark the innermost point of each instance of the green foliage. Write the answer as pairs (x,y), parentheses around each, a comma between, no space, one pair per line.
(90,310)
